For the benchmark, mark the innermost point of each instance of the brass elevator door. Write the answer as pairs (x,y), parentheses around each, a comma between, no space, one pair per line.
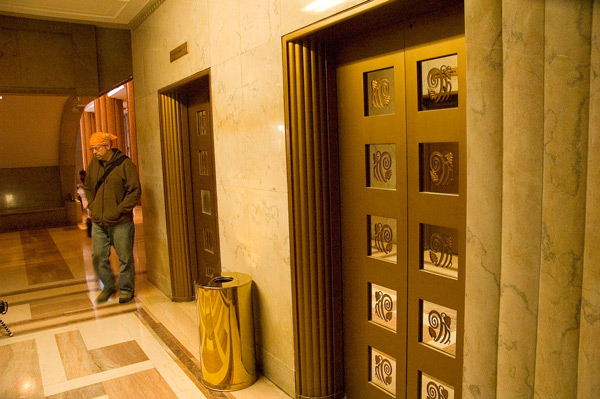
(372,143)
(203,184)
(402,149)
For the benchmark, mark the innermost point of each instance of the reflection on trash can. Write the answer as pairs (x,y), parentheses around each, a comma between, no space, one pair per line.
(227,356)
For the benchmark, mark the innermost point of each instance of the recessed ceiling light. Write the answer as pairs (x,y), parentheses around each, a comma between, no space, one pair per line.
(322,5)
(89,107)
(115,91)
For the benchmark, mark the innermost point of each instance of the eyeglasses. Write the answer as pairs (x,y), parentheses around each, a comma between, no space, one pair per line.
(97,148)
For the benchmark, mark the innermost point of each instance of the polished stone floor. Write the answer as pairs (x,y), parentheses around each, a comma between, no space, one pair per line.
(65,346)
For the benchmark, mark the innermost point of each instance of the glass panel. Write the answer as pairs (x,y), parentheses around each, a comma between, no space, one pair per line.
(381,164)
(438,167)
(201,118)
(203,163)
(438,83)
(438,327)
(208,240)
(383,306)
(432,388)
(439,253)
(382,238)
(382,371)
(379,92)
(206,205)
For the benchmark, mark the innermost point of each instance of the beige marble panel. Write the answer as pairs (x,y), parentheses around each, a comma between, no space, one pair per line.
(483,24)
(94,391)
(172,24)
(77,361)
(150,166)
(230,142)
(566,81)
(523,42)
(260,23)
(270,254)
(145,384)
(588,383)
(234,229)
(224,27)
(262,119)
(51,365)
(20,371)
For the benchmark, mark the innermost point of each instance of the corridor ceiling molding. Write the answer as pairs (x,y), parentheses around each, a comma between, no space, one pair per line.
(107,13)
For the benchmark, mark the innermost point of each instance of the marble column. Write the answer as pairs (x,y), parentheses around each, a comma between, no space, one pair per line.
(523,145)
(588,383)
(483,30)
(566,103)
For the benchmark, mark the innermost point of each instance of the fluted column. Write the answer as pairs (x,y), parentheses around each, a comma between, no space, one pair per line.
(566,96)
(523,143)
(317,348)
(588,383)
(109,119)
(175,198)
(483,27)
(549,303)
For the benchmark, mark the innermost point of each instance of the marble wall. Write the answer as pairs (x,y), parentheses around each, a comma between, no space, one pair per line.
(536,341)
(240,41)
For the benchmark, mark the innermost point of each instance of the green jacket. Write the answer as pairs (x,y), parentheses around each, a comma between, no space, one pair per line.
(114,202)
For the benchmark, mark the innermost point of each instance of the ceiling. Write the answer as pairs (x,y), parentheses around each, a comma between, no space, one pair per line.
(106,13)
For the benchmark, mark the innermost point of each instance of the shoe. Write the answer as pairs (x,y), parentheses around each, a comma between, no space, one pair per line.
(104,296)
(125,297)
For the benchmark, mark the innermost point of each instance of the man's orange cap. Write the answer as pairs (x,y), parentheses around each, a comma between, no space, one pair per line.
(101,138)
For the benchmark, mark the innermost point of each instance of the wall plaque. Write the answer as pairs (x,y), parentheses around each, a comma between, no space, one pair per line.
(178,52)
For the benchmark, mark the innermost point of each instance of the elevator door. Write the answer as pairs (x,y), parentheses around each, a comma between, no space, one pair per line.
(401,138)
(203,184)
(372,134)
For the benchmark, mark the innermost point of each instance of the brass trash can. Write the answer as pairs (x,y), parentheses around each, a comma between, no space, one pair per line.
(227,353)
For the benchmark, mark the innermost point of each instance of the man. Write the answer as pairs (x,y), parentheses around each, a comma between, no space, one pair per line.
(111,199)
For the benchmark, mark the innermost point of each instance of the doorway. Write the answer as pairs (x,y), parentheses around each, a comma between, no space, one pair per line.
(189,183)
(401,143)
(203,181)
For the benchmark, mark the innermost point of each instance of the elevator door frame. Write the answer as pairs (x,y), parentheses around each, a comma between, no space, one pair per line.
(338,27)
(186,253)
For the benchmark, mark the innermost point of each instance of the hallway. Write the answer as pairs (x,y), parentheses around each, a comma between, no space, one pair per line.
(64,346)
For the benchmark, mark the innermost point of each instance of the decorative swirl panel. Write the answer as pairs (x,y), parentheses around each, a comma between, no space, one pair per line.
(438,170)
(379,92)
(438,327)
(438,82)
(383,309)
(432,388)
(381,166)
(439,250)
(382,238)
(380,95)
(383,371)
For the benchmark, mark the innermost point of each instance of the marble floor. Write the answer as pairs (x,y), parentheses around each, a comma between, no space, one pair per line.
(65,346)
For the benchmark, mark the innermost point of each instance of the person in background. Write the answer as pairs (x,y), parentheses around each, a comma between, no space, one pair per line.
(112,188)
(83,201)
